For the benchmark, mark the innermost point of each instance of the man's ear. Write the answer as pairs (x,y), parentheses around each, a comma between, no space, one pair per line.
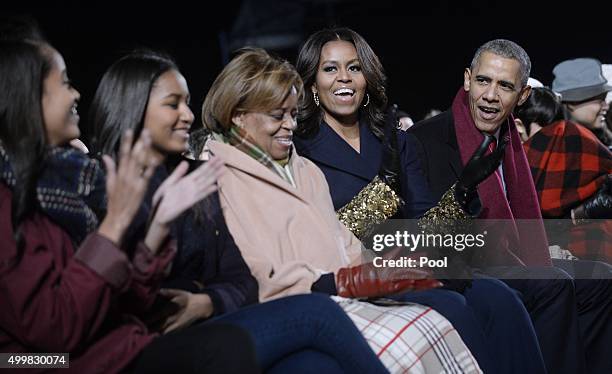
(525,92)
(467,75)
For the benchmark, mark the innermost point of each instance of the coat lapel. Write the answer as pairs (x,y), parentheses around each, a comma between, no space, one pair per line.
(235,158)
(329,149)
(452,151)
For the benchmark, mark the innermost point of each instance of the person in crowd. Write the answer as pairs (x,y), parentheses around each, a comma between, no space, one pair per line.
(341,129)
(542,108)
(145,90)
(494,84)
(571,173)
(583,90)
(59,298)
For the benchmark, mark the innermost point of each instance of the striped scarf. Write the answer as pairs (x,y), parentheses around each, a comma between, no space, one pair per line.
(238,138)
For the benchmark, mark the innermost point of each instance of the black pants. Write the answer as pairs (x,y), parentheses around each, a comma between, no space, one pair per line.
(593,284)
(203,348)
(571,317)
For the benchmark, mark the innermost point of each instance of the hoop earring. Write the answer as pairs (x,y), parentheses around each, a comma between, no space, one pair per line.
(367,100)
(315,95)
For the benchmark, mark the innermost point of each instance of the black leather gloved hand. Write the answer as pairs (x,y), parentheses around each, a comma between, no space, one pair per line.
(390,169)
(600,204)
(477,169)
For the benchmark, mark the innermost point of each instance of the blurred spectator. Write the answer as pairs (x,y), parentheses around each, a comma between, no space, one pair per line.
(405,121)
(583,90)
(432,113)
(570,170)
(541,108)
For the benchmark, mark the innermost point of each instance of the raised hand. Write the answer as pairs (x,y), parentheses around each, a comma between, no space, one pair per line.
(477,169)
(127,183)
(179,192)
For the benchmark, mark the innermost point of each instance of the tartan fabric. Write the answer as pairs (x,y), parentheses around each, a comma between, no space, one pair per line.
(69,186)
(568,165)
(410,338)
(238,138)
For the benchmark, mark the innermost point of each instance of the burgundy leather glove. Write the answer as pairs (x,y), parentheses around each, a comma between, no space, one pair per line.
(366,280)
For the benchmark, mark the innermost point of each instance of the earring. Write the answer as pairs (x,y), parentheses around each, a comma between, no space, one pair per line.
(315,95)
(367,100)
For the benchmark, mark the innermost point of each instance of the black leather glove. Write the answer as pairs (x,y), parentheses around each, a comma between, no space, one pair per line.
(390,169)
(477,169)
(600,204)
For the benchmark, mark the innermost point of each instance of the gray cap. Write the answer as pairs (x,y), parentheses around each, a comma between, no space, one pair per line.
(579,79)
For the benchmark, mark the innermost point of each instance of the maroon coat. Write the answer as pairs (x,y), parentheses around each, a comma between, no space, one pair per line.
(53,299)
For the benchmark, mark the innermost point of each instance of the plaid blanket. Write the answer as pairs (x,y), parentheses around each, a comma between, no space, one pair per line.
(568,164)
(411,338)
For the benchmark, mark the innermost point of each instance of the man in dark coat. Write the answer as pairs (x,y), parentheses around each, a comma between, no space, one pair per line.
(494,84)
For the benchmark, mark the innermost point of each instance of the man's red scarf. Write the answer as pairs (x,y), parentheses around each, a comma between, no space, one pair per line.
(524,243)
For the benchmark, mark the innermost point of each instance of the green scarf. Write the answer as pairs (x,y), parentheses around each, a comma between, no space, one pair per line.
(238,138)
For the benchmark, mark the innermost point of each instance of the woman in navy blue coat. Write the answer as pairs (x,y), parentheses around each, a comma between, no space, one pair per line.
(341,129)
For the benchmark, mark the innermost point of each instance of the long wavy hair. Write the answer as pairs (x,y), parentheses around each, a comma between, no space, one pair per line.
(310,115)
(120,101)
(24,66)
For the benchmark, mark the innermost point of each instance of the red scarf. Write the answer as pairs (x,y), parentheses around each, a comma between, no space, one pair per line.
(525,242)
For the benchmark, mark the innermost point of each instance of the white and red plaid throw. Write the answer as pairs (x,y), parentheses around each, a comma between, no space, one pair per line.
(411,338)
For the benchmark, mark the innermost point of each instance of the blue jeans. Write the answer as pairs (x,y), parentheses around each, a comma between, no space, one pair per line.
(289,332)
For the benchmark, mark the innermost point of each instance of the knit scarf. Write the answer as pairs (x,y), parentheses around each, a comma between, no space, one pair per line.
(69,185)
(238,138)
(526,242)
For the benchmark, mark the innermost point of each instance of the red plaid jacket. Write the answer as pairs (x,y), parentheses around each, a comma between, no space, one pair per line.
(568,164)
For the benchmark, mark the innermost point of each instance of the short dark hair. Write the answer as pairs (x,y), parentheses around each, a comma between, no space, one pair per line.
(542,107)
(507,49)
(307,65)
(120,101)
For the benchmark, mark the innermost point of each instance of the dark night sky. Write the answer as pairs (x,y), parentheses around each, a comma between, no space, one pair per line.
(423,46)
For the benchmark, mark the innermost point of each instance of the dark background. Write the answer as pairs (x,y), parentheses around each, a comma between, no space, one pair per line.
(424,45)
